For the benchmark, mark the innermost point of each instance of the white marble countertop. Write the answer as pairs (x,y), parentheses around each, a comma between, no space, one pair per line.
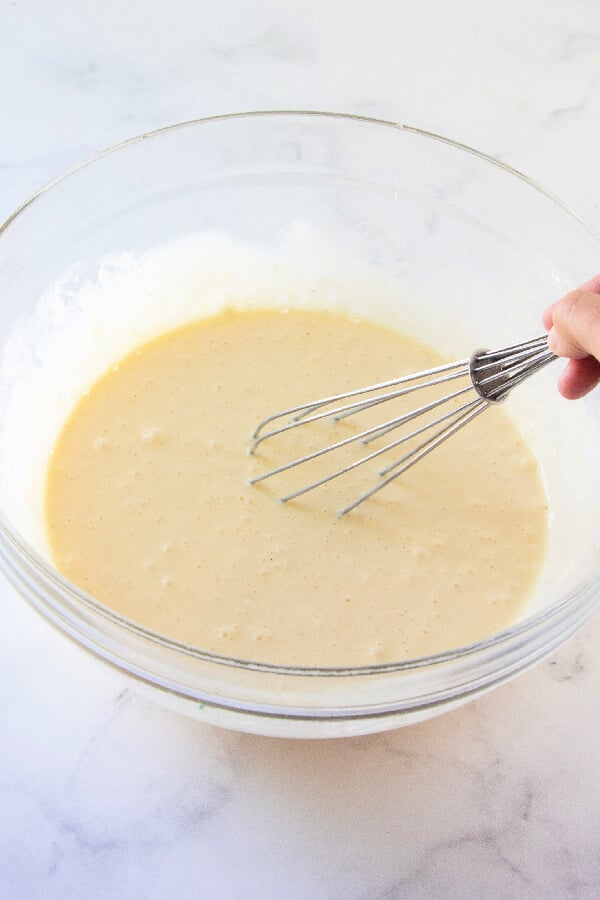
(105,795)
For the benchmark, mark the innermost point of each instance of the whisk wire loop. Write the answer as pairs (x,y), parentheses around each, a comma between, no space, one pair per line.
(304,409)
(419,453)
(491,374)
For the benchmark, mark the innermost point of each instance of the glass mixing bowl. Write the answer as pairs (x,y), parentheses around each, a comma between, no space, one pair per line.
(476,250)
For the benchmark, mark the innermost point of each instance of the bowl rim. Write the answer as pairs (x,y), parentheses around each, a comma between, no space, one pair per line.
(12,539)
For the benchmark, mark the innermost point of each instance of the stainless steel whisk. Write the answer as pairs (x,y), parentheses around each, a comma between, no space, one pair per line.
(491,375)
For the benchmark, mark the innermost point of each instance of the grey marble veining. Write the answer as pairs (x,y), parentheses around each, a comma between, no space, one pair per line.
(106,795)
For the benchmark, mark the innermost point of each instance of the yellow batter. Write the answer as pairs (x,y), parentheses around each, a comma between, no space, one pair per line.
(149,508)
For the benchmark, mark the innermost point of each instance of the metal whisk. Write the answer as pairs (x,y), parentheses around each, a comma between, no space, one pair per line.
(491,375)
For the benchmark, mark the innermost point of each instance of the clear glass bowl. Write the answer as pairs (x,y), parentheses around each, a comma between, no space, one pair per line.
(480,250)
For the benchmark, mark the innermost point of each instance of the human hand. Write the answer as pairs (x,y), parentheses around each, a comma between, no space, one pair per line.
(573,323)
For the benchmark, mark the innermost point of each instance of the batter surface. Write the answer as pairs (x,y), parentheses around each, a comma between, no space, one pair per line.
(149,510)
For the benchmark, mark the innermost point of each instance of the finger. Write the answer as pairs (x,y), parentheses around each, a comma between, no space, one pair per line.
(575,330)
(593,285)
(579,377)
(547,317)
